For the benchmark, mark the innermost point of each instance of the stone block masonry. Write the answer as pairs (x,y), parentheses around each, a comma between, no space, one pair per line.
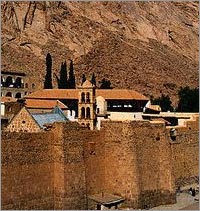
(23,122)
(136,163)
(27,171)
(60,168)
(185,151)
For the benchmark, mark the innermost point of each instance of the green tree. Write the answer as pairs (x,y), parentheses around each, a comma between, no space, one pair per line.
(48,76)
(188,100)
(83,79)
(164,102)
(105,84)
(71,81)
(93,80)
(62,82)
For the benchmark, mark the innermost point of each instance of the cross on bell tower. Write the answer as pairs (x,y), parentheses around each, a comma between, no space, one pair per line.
(86,105)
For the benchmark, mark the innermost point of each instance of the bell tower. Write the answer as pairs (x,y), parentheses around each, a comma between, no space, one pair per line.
(87,105)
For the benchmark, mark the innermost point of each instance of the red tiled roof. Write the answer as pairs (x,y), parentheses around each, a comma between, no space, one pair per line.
(45,104)
(8,99)
(118,94)
(54,94)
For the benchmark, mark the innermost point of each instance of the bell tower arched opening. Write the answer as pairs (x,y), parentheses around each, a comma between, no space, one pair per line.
(88,113)
(83,97)
(83,113)
(86,105)
(88,97)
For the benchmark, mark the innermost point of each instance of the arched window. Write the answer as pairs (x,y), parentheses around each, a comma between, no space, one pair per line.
(9,94)
(18,82)
(26,85)
(88,97)
(83,97)
(82,112)
(88,113)
(2,82)
(9,81)
(33,86)
(18,95)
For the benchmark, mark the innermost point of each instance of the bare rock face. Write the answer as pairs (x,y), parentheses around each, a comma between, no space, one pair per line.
(151,47)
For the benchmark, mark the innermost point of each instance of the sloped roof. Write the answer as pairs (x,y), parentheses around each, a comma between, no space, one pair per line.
(56,115)
(112,94)
(54,94)
(120,94)
(58,110)
(47,118)
(45,104)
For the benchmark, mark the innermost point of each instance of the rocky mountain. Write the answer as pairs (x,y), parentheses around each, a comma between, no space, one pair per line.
(151,47)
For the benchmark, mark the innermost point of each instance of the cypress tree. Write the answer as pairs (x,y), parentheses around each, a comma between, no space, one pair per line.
(93,80)
(71,81)
(63,83)
(105,84)
(165,103)
(83,79)
(188,100)
(48,77)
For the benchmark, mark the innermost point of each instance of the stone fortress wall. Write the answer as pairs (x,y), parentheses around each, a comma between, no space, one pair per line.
(185,151)
(60,168)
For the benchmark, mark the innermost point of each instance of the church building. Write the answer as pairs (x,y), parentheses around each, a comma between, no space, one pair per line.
(91,105)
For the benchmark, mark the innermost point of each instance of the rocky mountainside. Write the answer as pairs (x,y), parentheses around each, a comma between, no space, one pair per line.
(151,47)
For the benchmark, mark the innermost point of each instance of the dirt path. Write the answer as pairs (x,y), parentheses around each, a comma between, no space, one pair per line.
(184,201)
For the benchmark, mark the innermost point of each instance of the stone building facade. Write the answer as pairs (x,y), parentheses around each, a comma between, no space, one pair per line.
(23,122)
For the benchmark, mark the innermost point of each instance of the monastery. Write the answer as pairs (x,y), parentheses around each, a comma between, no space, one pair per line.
(90,105)
(86,104)
(89,148)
